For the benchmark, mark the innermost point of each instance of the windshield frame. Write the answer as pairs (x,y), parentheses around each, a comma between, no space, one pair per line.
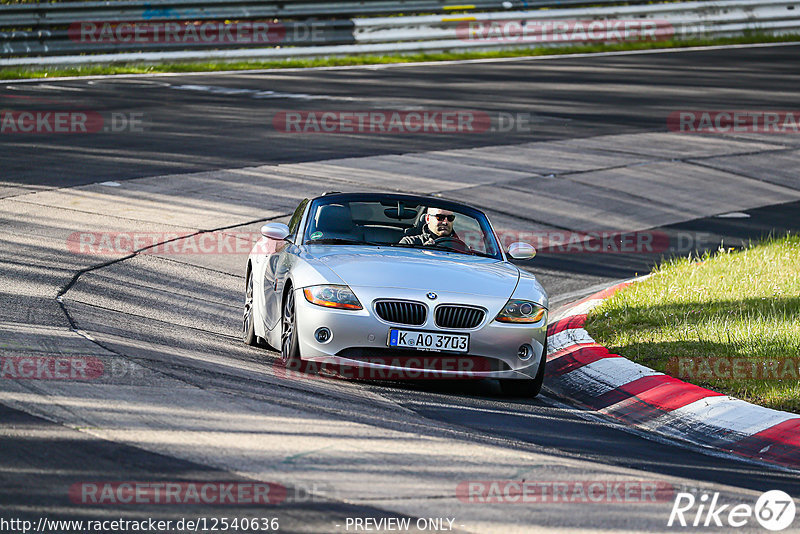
(416,200)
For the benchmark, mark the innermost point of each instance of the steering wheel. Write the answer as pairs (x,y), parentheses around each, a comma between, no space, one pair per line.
(452,242)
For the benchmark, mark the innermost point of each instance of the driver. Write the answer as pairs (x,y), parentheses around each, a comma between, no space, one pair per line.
(439,223)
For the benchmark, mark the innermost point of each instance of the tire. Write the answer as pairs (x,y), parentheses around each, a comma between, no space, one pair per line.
(290,346)
(526,388)
(248,319)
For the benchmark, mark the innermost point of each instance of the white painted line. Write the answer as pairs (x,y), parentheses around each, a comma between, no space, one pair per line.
(574,296)
(609,374)
(726,413)
(217,90)
(129,82)
(45,87)
(85,334)
(585,307)
(589,291)
(110,184)
(733,215)
(414,64)
(256,93)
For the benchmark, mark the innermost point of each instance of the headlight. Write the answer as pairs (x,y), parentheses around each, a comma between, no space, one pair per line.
(332,297)
(521,311)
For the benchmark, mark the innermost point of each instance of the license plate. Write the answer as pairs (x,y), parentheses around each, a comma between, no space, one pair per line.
(413,339)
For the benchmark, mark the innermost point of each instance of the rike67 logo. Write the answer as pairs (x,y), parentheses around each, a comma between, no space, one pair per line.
(774,510)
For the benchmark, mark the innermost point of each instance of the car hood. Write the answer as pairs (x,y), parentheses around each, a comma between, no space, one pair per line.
(427,270)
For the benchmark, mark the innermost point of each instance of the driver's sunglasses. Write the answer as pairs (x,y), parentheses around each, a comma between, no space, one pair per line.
(441,217)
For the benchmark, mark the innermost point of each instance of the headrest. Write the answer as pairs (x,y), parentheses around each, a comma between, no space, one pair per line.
(334,218)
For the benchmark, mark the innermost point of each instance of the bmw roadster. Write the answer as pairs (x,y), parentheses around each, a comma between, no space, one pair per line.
(408,286)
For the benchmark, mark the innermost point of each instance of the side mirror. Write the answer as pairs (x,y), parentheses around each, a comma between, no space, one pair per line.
(276,231)
(521,251)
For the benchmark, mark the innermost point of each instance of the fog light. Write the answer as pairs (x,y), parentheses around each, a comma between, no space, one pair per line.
(524,352)
(323,335)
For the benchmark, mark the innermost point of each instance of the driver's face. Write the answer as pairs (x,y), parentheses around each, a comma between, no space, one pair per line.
(440,221)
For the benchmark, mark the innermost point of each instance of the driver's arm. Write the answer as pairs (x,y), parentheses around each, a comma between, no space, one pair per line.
(414,240)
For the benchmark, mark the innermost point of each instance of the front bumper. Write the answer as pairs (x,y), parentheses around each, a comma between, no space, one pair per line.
(360,339)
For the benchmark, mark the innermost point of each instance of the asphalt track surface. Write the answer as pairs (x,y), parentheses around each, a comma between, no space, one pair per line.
(53,437)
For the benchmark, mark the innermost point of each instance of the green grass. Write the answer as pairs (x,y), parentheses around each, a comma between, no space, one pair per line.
(9,73)
(733,304)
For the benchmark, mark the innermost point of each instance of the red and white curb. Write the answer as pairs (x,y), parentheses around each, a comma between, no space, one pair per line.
(586,372)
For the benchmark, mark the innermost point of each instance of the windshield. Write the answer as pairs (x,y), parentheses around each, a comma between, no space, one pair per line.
(400,223)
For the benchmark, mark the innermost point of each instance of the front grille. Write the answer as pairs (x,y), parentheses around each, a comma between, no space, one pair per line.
(401,312)
(448,316)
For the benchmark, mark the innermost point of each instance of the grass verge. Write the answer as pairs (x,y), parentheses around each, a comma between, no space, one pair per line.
(12,73)
(721,321)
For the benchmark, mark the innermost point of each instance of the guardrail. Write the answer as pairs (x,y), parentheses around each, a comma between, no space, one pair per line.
(196,30)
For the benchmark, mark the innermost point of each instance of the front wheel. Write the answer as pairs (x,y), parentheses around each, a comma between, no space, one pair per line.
(526,388)
(248,323)
(290,347)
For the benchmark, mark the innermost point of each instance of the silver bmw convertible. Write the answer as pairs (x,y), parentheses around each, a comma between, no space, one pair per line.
(397,286)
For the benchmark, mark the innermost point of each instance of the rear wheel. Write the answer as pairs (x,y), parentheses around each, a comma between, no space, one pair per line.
(290,347)
(526,388)
(248,322)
